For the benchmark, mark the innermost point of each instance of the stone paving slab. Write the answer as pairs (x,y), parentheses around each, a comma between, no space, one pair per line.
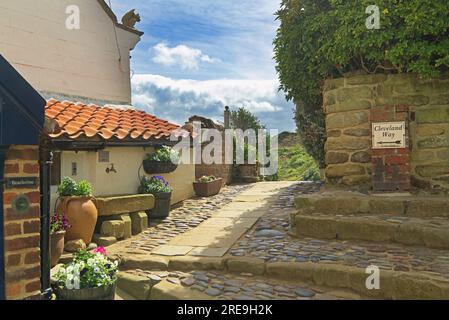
(209,237)
(168,250)
(209,252)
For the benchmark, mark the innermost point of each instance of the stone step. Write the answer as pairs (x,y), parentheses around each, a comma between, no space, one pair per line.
(351,203)
(431,233)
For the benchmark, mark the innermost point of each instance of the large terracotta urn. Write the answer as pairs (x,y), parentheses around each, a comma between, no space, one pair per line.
(82,215)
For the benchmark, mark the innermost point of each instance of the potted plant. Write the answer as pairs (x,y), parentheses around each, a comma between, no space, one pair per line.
(90,276)
(164,160)
(162,192)
(75,201)
(207,186)
(58,227)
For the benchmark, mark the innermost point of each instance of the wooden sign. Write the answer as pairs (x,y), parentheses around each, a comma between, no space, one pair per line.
(389,135)
(22,182)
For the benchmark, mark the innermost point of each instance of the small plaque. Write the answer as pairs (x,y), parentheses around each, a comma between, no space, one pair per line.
(389,135)
(21,204)
(22,182)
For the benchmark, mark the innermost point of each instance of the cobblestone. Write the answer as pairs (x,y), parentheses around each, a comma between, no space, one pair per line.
(223,287)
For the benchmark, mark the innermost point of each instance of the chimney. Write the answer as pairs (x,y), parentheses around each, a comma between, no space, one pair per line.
(227,118)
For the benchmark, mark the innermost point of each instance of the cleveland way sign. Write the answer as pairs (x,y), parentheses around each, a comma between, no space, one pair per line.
(388,135)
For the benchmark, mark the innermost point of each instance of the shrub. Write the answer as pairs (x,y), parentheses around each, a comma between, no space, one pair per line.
(69,187)
(320,39)
(153,185)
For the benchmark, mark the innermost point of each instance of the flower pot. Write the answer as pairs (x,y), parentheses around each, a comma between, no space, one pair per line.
(207,189)
(152,167)
(82,215)
(100,293)
(162,206)
(56,247)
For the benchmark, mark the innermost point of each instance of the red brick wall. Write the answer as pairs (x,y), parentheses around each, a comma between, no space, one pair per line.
(22,230)
(391,167)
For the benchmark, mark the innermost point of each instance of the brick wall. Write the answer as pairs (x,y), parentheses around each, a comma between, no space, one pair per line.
(22,230)
(348,102)
(391,167)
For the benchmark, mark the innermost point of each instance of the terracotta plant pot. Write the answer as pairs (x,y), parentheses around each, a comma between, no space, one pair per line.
(207,189)
(162,206)
(151,167)
(100,293)
(82,215)
(56,247)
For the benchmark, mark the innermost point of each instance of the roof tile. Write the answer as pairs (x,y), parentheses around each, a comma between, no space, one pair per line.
(77,120)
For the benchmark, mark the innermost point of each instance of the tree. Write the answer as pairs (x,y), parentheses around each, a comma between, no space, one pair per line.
(321,39)
(244,119)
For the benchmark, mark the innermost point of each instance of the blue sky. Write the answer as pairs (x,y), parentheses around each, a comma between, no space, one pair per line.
(199,55)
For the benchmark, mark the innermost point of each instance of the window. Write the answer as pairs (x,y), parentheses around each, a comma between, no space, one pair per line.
(55,172)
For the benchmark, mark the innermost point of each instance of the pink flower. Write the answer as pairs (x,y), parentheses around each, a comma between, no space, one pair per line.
(101,250)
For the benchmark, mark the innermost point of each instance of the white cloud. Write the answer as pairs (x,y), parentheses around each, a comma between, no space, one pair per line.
(177,100)
(181,55)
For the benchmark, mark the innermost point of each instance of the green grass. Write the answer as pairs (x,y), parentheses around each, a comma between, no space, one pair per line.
(295,164)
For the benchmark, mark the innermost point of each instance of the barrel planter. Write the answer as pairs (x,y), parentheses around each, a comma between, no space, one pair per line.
(207,189)
(100,293)
(162,205)
(56,247)
(151,167)
(82,215)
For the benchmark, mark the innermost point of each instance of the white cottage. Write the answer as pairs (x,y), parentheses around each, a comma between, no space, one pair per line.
(85,74)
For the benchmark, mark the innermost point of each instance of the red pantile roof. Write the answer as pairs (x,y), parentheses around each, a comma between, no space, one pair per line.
(77,120)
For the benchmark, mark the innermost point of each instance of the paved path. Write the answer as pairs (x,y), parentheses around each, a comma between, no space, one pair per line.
(214,237)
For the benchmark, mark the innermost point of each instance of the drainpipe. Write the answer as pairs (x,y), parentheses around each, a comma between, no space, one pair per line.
(227,118)
(3,150)
(45,160)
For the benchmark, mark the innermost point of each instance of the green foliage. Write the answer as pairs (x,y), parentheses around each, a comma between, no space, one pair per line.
(153,185)
(244,119)
(70,187)
(164,154)
(84,188)
(207,179)
(295,164)
(320,39)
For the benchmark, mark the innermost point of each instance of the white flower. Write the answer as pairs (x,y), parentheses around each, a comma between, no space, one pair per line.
(76,283)
(69,269)
(116,263)
(90,262)
(70,277)
(69,285)
(96,270)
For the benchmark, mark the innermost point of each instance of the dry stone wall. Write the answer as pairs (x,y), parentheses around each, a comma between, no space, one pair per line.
(348,104)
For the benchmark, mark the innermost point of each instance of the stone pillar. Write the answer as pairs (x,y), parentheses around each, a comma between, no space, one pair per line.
(391,165)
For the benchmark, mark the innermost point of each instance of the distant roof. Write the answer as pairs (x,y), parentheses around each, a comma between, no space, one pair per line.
(112,15)
(78,120)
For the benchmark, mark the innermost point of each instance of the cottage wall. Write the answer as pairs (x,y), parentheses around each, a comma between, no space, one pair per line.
(353,102)
(56,60)
(127,161)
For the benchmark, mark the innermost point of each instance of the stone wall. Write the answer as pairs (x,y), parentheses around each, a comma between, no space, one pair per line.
(22,229)
(348,102)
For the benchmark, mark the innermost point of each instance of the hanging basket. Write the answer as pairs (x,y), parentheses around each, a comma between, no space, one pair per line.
(152,167)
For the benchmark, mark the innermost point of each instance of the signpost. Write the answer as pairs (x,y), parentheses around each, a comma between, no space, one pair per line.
(389,135)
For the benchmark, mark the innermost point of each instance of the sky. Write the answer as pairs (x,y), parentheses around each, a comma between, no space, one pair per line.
(198,56)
